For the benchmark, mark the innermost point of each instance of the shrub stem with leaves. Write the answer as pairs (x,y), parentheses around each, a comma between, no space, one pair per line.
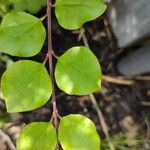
(26,84)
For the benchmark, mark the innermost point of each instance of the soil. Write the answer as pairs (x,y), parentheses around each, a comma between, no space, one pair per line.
(124,107)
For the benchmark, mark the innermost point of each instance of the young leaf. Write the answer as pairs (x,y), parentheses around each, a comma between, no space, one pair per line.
(72,14)
(21,34)
(37,136)
(78,72)
(26,85)
(77,132)
(32,6)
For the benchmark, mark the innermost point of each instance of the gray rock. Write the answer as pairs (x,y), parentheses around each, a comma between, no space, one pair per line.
(130,20)
(137,62)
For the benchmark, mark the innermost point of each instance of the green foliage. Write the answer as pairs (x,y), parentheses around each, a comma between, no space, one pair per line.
(25,86)
(21,34)
(72,14)
(78,71)
(77,132)
(32,6)
(37,136)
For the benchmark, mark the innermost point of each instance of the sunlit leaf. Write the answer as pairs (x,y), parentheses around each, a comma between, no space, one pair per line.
(77,132)
(26,85)
(21,34)
(72,14)
(37,136)
(78,72)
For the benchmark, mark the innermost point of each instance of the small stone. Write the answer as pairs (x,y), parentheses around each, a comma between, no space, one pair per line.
(137,62)
(130,20)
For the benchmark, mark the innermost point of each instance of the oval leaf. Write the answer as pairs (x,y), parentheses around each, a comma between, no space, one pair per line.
(72,14)
(26,85)
(77,132)
(21,34)
(78,72)
(37,136)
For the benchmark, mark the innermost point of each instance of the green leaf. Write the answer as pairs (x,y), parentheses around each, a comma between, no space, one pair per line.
(32,6)
(21,34)
(77,132)
(37,136)
(72,14)
(26,85)
(78,72)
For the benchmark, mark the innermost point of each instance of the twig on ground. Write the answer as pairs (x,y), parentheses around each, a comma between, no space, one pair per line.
(145,103)
(117,80)
(93,100)
(142,78)
(102,121)
(7,139)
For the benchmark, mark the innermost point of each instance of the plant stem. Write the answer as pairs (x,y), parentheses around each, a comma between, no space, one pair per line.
(50,46)
(50,58)
(50,51)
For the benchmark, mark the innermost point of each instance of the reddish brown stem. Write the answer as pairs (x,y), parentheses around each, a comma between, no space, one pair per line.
(50,43)
(50,58)
(50,51)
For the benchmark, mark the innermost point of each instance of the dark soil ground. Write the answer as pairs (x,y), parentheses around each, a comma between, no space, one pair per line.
(125,108)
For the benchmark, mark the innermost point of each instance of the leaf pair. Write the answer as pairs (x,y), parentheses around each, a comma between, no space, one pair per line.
(75,132)
(23,35)
(71,9)
(26,84)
